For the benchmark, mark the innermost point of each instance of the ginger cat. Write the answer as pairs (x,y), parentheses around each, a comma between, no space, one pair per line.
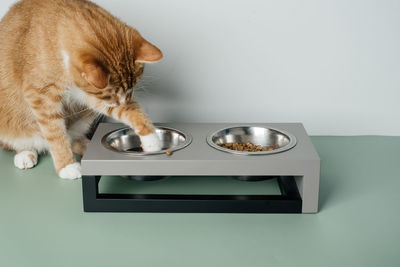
(63,63)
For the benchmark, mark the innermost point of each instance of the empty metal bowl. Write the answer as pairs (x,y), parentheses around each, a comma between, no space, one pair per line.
(126,141)
(266,137)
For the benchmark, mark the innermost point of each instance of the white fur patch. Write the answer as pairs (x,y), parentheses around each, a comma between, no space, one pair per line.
(112,105)
(151,142)
(65,57)
(74,95)
(71,171)
(35,143)
(25,159)
(79,128)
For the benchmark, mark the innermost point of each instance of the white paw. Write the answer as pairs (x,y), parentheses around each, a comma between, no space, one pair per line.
(25,159)
(151,143)
(71,171)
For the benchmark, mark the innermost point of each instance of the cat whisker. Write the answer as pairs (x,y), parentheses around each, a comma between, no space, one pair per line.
(141,88)
(150,76)
(76,113)
(146,79)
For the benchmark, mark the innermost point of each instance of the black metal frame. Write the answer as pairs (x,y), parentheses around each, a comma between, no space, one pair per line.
(288,202)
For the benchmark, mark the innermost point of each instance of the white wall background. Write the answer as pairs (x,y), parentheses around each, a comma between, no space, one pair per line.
(333,65)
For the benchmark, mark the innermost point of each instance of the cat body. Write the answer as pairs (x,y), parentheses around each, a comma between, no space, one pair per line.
(64,63)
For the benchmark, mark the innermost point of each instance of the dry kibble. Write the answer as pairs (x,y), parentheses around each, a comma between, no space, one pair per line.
(168,152)
(248,147)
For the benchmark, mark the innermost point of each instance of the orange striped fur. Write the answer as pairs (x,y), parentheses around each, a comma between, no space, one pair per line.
(64,62)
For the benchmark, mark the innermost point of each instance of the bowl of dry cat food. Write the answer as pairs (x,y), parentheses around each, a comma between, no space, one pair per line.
(251,140)
(126,141)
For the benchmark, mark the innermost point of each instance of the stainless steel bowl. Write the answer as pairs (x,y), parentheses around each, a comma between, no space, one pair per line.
(265,137)
(126,141)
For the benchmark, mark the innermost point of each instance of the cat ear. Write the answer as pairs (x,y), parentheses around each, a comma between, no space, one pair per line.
(147,53)
(95,74)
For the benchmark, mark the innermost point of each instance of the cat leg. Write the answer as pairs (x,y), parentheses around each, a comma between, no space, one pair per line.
(60,149)
(47,109)
(150,142)
(133,115)
(26,159)
(71,171)
(78,126)
(79,146)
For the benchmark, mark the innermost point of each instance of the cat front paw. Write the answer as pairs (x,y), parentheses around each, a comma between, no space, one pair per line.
(71,171)
(151,143)
(25,160)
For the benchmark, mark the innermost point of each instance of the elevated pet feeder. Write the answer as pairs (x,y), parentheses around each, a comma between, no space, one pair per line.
(195,150)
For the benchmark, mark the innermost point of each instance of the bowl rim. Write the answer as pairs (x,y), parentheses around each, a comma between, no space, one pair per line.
(188,141)
(292,141)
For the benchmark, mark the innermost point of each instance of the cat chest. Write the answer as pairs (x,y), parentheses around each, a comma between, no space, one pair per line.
(74,96)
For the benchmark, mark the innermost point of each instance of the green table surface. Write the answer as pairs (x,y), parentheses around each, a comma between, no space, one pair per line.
(42,222)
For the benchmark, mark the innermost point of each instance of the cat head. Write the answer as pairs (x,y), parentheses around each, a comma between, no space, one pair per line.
(111,77)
